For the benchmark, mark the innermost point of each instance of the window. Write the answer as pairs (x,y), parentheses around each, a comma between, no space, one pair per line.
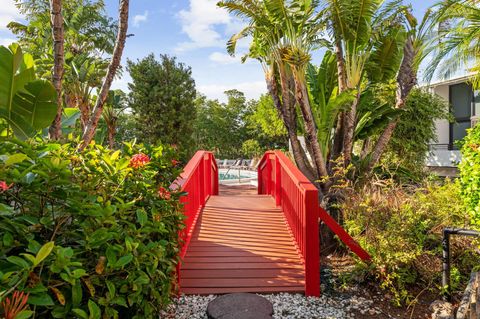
(461,101)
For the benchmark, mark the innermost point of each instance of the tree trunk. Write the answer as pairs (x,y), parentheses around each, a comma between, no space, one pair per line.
(290,123)
(89,131)
(111,136)
(342,86)
(55,129)
(406,80)
(350,119)
(301,95)
(341,69)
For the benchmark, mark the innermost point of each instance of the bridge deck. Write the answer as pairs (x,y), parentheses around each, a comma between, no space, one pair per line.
(241,243)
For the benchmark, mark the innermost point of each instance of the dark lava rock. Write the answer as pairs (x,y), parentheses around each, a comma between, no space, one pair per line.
(240,306)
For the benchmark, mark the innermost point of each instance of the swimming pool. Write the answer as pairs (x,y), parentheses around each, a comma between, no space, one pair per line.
(237,176)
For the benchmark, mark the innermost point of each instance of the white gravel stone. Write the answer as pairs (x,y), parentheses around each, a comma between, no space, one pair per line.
(285,306)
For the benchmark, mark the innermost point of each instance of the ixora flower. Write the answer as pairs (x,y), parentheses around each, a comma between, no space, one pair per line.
(139,160)
(4,186)
(164,193)
(175,162)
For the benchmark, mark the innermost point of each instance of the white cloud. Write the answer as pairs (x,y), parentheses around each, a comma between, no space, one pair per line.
(8,13)
(223,58)
(252,90)
(139,18)
(199,23)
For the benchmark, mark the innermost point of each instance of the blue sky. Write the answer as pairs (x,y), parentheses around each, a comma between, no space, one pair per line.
(193,30)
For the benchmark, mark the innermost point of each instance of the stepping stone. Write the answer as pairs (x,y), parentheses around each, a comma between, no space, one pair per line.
(240,306)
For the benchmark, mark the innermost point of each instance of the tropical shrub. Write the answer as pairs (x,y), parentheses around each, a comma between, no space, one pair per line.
(401,228)
(470,173)
(415,131)
(91,234)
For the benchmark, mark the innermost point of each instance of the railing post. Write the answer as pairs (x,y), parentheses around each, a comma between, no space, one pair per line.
(259,180)
(201,190)
(312,249)
(208,174)
(278,182)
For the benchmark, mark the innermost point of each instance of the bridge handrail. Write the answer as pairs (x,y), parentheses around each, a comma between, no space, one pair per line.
(198,181)
(298,198)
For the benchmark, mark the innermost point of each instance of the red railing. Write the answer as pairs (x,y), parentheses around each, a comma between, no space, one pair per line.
(199,180)
(298,198)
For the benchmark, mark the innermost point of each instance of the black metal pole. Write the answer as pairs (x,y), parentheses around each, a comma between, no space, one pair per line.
(446,256)
(446,265)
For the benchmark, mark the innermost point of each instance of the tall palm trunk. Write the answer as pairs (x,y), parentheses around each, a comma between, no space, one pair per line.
(55,130)
(349,121)
(338,138)
(111,135)
(89,131)
(406,80)
(290,122)
(311,133)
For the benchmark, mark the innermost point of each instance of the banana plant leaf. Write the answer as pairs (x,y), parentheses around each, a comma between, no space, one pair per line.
(27,105)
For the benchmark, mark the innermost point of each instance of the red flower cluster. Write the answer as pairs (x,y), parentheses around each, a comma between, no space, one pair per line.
(164,194)
(4,186)
(175,162)
(139,160)
(12,307)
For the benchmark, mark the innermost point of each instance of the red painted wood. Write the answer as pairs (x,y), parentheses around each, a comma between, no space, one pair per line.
(241,243)
(298,199)
(199,181)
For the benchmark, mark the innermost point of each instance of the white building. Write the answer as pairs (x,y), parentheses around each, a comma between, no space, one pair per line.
(465,107)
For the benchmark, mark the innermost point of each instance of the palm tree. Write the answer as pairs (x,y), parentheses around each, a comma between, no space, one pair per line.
(267,33)
(92,124)
(58,61)
(415,49)
(458,40)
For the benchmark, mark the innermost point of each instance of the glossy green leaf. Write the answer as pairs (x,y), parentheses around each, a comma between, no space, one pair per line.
(15,159)
(24,314)
(81,313)
(124,260)
(142,217)
(43,299)
(44,252)
(94,309)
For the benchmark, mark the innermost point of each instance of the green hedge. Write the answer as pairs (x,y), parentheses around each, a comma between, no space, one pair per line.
(470,173)
(91,234)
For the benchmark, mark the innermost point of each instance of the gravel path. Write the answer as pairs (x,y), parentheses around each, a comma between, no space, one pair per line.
(286,306)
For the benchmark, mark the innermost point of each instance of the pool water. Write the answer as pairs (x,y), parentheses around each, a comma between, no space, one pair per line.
(230,176)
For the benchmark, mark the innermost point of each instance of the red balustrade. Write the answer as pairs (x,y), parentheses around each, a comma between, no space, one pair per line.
(199,180)
(298,198)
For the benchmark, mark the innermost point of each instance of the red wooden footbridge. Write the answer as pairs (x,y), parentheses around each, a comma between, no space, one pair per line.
(239,239)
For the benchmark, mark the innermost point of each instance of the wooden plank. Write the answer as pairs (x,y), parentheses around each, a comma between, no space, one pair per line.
(244,240)
(212,247)
(239,245)
(241,282)
(241,266)
(243,273)
(240,253)
(217,290)
(251,259)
